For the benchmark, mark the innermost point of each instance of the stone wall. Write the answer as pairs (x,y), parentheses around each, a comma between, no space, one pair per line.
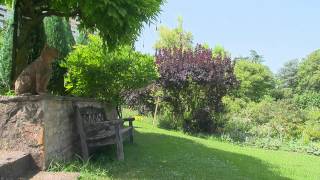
(43,126)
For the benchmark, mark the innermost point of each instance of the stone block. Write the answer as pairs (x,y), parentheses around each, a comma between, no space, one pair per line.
(42,126)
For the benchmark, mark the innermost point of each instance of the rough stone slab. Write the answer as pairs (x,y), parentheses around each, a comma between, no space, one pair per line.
(15,164)
(43,126)
(55,176)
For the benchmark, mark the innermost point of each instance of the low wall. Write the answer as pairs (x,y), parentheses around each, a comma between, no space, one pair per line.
(43,126)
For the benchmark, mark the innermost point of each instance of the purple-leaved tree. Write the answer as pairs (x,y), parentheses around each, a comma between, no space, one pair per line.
(194,82)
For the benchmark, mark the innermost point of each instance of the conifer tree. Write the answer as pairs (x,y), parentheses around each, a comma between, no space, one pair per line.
(59,36)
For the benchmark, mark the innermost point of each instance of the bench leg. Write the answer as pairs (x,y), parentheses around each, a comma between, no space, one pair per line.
(84,145)
(131,132)
(131,135)
(119,143)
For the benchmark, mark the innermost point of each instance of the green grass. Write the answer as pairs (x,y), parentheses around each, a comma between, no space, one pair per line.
(162,154)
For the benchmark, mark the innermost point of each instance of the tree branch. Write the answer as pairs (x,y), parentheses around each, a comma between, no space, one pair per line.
(50,12)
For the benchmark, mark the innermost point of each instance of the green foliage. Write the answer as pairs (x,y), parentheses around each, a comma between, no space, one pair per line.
(256,80)
(275,119)
(5,58)
(177,37)
(7,2)
(288,75)
(272,124)
(82,38)
(94,73)
(59,36)
(312,127)
(309,73)
(219,50)
(255,57)
(308,99)
(1,38)
(116,21)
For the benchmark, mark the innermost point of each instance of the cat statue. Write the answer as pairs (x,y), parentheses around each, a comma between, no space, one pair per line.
(35,77)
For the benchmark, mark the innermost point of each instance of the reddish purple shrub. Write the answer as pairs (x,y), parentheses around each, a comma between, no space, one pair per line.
(186,73)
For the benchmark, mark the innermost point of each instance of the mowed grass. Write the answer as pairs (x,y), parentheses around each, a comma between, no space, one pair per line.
(162,154)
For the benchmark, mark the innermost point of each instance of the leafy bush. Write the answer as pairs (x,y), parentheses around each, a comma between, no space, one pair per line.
(271,124)
(308,99)
(141,99)
(193,84)
(275,119)
(312,127)
(282,93)
(97,73)
(256,80)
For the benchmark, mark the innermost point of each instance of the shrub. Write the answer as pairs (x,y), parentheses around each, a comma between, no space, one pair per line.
(312,127)
(271,124)
(141,99)
(97,73)
(308,99)
(282,93)
(193,84)
(275,119)
(167,121)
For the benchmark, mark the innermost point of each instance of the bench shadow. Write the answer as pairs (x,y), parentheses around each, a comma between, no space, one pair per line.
(159,156)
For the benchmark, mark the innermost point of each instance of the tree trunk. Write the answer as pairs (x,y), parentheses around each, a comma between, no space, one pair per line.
(28,39)
(16,14)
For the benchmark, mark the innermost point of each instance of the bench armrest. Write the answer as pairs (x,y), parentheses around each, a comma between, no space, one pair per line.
(130,120)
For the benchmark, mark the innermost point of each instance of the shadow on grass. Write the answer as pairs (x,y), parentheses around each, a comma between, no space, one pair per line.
(159,156)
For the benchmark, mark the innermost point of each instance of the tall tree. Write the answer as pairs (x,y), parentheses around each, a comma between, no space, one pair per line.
(59,36)
(255,57)
(116,21)
(174,38)
(193,84)
(256,80)
(288,74)
(309,73)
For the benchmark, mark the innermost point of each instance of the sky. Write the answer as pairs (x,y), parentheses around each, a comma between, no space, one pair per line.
(280,30)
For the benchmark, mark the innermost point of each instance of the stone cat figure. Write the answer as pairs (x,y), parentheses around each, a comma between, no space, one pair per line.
(35,77)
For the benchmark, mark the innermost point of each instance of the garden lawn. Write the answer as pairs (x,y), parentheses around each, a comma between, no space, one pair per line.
(162,154)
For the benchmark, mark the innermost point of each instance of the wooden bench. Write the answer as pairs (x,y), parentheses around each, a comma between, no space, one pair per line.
(95,130)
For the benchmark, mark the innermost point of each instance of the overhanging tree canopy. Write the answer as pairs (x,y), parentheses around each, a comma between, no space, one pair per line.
(116,21)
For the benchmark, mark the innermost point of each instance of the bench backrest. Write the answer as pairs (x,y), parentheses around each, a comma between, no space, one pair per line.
(91,117)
